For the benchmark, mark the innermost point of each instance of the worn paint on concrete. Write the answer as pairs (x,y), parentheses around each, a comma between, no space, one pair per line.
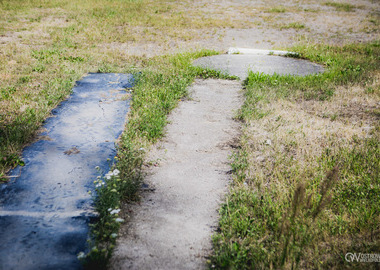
(46,210)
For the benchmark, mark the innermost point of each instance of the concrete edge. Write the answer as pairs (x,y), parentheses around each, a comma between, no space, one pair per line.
(234,50)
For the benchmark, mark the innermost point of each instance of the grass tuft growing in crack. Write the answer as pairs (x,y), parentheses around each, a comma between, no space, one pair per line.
(306,186)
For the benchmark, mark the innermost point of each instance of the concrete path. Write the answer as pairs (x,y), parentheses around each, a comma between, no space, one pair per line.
(171,228)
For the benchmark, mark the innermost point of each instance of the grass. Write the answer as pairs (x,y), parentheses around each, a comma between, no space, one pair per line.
(278,9)
(293,25)
(341,6)
(306,187)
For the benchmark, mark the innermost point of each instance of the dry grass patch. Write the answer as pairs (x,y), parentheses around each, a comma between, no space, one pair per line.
(289,132)
(356,105)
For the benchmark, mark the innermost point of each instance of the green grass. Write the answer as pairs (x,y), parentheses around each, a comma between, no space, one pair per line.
(341,6)
(307,202)
(278,9)
(293,25)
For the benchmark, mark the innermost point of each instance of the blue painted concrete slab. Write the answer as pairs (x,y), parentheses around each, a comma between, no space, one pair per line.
(45,211)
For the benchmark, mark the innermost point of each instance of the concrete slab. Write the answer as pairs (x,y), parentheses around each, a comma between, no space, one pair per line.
(240,64)
(46,209)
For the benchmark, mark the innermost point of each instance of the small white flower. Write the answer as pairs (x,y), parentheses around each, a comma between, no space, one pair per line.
(109,209)
(114,235)
(115,211)
(100,184)
(141,149)
(108,177)
(81,255)
(116,172)
(120,220)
